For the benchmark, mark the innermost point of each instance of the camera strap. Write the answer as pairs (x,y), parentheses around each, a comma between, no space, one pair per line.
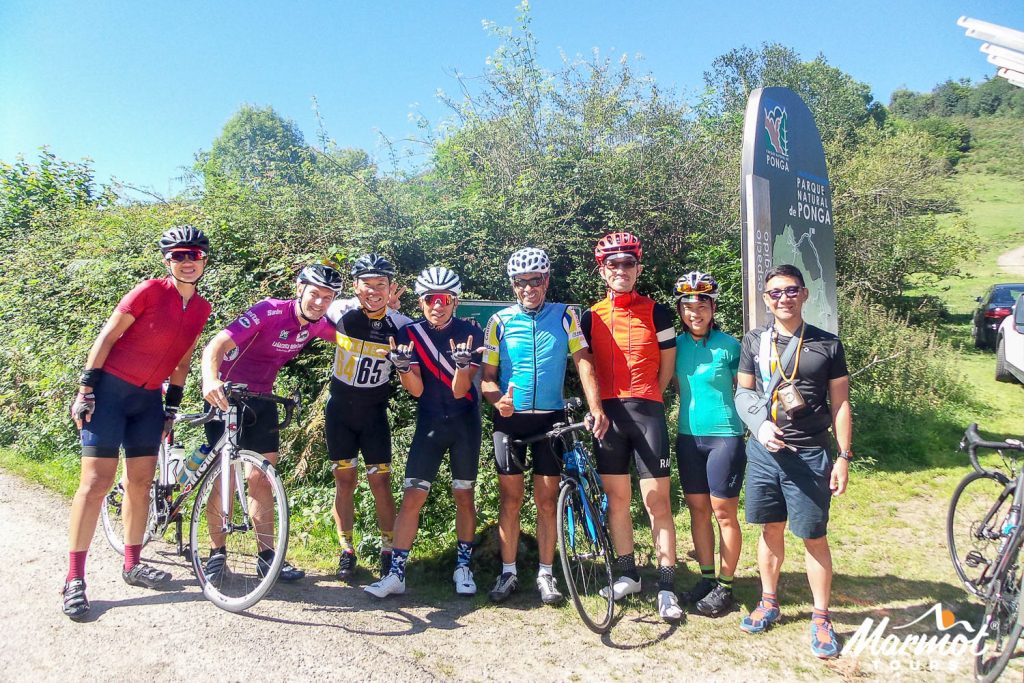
(769,378)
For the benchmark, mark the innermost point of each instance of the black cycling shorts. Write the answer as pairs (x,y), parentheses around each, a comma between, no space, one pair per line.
(520,426)
(258,426)
(637,433)
(353,426)
(126,415)
(711,464)
(437,435)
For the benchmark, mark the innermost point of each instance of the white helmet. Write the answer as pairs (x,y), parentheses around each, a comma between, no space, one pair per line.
(438,279)
(528,260)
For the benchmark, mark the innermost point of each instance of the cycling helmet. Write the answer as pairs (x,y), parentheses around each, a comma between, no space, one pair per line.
(183,236)
(528,260)
(320,276)
(696,286)
(618,243)
(438,279)
(372,265)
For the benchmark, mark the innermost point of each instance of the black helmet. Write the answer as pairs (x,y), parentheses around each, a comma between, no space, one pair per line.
(320,276)
(183,236)
(372,265)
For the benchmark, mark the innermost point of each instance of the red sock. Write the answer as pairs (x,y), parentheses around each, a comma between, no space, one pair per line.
(131,556)
(76,564)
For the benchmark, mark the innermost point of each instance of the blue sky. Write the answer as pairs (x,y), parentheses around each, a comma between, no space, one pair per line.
(141,87)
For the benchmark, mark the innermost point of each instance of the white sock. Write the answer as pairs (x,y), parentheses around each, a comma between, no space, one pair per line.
(507,568)
(545,570)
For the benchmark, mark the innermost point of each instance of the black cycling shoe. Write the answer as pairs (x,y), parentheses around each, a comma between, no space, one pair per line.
(144,576)
(385,564)
(699,591)
(288,572)
(76,605)
(717,602)
(215,566)
(347,566)
(504,587)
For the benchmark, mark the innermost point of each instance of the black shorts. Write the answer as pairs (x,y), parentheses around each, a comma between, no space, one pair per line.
(258,427)
(638,432)
(126,415)
(520,426)
(789,485)
(353,426)
(437,435)
(711,464)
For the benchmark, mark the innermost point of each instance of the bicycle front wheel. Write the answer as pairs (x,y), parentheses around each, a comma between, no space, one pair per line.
(586,553)
(974,526)
(256,522)
(112,513)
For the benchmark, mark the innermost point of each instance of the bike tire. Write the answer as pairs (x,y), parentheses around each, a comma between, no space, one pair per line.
(244,582)
(111,516)
(1001,622)
(586,555)
(977,509)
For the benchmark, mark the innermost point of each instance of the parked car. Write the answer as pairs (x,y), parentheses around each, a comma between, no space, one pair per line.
(994,306)
(1010,345)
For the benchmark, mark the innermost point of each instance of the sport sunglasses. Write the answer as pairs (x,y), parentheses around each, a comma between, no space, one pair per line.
(186,255)
(687,288)
(435,299)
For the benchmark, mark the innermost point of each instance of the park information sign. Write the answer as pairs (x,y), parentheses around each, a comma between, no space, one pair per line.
(786,205)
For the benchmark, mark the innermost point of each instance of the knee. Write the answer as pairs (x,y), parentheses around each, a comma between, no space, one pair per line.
(464,499)
(345,476)
(258,484)
(546,506)
(511,500)
(658,506)
(380,484)
(726,516)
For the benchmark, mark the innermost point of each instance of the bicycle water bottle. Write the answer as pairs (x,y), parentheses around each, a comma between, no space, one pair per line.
(175,461)
(192,463)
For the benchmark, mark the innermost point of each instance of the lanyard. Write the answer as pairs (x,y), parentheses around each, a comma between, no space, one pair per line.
(782,371)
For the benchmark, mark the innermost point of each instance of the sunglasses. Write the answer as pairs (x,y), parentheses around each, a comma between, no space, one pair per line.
(791,292)
(623,264)
(686,288)
(523,283)
(186,255)
(435,299)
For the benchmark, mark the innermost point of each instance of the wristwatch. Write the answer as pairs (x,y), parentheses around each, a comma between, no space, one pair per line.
(846,455)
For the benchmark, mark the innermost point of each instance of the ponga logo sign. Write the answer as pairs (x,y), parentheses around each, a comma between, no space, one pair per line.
(954,638)
(775,131)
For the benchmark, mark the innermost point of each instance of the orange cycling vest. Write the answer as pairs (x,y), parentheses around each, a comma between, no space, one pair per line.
(624,341)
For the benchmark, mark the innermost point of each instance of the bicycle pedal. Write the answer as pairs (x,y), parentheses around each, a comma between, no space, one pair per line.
(975,559)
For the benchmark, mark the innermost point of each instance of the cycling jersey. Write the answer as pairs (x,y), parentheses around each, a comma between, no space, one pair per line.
(361,371)
(432,353)
(266,337)
(706,371)
(627,333)
(165,328)
(529,348)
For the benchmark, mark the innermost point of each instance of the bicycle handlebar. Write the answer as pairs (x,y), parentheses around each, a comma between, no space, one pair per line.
(557,432)
(972,441)
(240,392)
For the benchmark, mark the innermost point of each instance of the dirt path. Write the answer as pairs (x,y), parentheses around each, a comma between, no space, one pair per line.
(1012,261)
(320,628)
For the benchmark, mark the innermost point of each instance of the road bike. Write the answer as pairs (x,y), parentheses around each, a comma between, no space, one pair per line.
(984,532)
(584,543)
(224,508)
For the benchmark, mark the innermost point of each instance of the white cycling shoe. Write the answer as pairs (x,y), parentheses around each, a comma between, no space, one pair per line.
(389,585)
(622,587)
(464,584)
(668,606)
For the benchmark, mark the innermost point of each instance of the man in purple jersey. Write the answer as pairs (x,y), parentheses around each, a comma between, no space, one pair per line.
(251,351)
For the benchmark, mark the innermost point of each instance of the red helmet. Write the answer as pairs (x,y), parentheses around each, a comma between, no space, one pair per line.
(618,243)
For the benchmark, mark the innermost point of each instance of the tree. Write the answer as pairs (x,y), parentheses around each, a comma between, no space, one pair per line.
(256,146)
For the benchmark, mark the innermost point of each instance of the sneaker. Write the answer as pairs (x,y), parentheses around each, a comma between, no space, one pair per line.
(506,585)
(347,566)
(288,572)
(622,587)
(389,585)
(761,619)
(824,642)
(464,584)
(547,584)
(717,602)
(668,606)
(215,566)
(385,564)
(75,604)
(144,576)
(700,590)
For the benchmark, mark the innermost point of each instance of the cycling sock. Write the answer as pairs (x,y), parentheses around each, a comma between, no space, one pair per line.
(544,570)
(131,555)
(346,541)
(820,614)
(76,564)
(666,578)
(725,581)
(509,568)
(387,541)
(770,599)
(398,559)
(626,565)
(464,553)
(707,571)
